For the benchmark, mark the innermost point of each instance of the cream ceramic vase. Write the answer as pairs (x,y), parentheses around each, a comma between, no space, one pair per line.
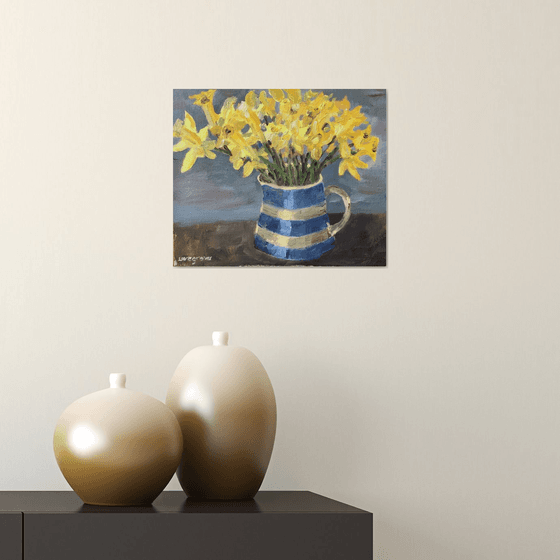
(225,405)
(118,447)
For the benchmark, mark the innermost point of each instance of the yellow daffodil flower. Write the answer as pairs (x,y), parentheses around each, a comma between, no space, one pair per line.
(247,157)
(366,144)
(195,142)
(294,95)
(186,131)
(205,100)
(343,104)
(299,137)
(252,100)
(277,133)
(231,136)
(323,130)
(251,118)
(229,124)
(277,94)
(350,165)
(250,166)
(285,108)
(315,148)
(268,105)
(310,95)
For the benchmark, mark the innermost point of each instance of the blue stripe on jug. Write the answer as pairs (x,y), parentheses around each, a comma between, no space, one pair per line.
(309,253)
(293,228)
(294,198)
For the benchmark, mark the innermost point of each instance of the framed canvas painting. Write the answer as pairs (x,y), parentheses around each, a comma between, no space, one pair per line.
(279,177)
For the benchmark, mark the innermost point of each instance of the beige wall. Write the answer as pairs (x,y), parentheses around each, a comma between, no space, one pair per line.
(426,392)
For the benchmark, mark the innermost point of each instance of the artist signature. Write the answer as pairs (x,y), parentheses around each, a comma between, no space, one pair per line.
(193,260)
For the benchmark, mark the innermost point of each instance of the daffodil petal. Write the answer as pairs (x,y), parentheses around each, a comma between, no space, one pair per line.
(189,160)
(180,146)
(248,169)
(277,94)
(189,121)
(285,106)
(190,137)
(294,95)
(177,128)
(251,99)
(352,170)
(316,153)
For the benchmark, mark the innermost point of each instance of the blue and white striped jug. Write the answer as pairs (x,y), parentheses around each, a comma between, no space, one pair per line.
(294,225)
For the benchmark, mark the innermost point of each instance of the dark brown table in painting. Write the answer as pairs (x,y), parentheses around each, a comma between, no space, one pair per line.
(362,242)
(273,526)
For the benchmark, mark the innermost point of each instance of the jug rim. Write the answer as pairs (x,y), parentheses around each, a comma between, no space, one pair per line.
(290,187)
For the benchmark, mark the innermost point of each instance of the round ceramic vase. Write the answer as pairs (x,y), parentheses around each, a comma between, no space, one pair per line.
(118,447)
(225,405)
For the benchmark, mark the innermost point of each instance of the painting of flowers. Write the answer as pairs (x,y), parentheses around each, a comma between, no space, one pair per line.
(279,177)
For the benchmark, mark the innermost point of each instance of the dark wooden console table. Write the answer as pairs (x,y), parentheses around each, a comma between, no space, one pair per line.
(273,526)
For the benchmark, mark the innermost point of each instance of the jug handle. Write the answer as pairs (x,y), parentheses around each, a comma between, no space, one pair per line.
(335,228)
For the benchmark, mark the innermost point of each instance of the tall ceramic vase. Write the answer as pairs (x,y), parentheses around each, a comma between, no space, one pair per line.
(225,405)
(294,225)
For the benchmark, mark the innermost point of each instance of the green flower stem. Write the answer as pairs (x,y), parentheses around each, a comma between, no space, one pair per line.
(277,171)
(306,170)
(277,158)
(325,158)
(277,165)
(331,158)
(301,169)
(271,173)
(297,174)
(294,165)
(291,171)
(314,170)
